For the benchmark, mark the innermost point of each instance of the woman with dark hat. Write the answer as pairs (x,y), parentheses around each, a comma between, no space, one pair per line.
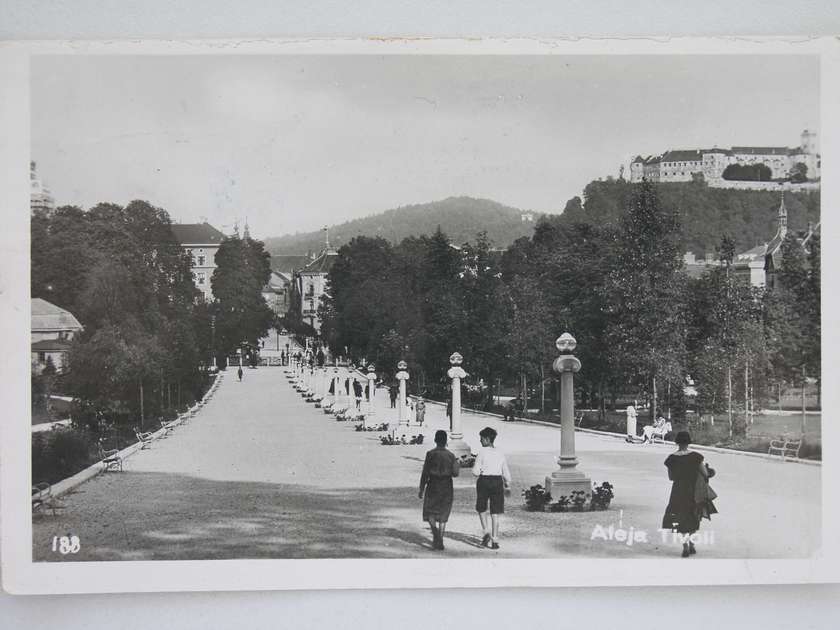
(440,467)
(691,497)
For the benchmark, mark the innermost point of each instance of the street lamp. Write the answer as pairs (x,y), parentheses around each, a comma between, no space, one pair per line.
(456,436)
(567,479)
(402,377)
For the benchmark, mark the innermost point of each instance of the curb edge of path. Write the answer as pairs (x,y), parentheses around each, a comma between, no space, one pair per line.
(70,483)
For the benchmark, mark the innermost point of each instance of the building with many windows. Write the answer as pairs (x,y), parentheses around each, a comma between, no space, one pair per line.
(311,284)
(684,165)
(202,242)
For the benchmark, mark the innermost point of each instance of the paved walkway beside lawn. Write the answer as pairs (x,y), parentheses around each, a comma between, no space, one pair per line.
(259,473)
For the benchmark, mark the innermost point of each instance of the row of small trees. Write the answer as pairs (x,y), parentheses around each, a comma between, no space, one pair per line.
(148,337)
(641,323)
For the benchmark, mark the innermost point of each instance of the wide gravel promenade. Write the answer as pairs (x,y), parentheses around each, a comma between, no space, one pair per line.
(259,473)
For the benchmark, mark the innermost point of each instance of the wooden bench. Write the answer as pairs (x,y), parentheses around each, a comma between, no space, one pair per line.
(785,447)
(110,458)
(42,497)
(660,433)
(145,439)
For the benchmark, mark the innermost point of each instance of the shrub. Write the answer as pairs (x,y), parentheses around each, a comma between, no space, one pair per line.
(601,496)
(536,498)
(467,461)
(59,454)
(579,498)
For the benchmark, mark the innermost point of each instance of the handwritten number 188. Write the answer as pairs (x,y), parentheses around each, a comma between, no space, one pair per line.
(66,544)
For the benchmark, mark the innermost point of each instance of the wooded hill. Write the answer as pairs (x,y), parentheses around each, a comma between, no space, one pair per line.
(706,214)
(461,218)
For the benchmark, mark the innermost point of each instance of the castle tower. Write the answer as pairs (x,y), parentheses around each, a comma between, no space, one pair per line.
(808,142)
(40,199)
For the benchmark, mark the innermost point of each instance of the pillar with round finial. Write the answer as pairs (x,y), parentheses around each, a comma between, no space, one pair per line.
(402,377)
(568,478)
(370,412)
(456,436)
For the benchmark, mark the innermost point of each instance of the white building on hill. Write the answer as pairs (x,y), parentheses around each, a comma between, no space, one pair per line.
(683,165)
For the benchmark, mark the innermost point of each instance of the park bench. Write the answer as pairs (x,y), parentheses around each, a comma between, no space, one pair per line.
(660,433)
(785,447)
(42,497)
(145,439)
(110,458)
(168,427)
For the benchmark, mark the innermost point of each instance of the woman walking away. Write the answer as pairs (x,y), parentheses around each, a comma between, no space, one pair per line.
(691,496)
(491,487)
(440,467)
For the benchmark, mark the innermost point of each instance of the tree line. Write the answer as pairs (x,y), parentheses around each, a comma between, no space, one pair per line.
(148,336)
(643,325)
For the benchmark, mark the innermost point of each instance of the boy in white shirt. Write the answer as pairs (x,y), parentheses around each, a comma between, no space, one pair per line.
(491,487)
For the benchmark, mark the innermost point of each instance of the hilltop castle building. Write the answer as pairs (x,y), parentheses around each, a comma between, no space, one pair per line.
(40,199)
(683,165)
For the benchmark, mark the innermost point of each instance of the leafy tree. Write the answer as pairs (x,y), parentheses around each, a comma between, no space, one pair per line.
(242,270)
(644,298)
(748,172)
(798,173)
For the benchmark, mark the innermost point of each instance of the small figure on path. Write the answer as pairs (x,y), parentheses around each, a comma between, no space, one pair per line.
(440,467)
(392,394)
(420,411)
(631,423)
(691,497)
(491,487)
(239,373)
(510,410)
(449,408)
(357,393)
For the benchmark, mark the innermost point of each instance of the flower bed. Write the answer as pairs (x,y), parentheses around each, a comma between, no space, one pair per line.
(538,499)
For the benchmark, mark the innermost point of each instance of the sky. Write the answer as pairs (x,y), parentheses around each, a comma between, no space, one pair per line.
(293,143)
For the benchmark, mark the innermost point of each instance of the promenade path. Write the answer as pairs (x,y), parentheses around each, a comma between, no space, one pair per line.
(259,473)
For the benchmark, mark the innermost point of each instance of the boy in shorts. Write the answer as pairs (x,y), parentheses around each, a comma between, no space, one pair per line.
(491,487)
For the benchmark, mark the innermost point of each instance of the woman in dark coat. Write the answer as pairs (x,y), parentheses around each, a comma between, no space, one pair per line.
(689,501)
(440,467)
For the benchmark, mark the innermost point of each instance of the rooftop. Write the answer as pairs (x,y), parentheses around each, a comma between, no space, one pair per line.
(323,263)
(289,263)
(49,317)
(197,234)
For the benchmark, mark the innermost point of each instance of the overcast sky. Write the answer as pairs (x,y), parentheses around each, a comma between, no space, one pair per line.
(296,142)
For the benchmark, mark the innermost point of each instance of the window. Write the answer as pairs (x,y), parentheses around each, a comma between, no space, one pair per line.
(200,279)
(201,260)
(42,357)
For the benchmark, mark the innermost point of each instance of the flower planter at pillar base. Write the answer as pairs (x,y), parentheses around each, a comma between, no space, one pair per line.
(562,482)
(459,448)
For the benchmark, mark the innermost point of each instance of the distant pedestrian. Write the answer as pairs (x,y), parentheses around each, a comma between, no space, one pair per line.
(420,411)
(691,497)
(449,408)
(392,394)
(357,392)
(510,410)
(631,423)
(239,373)
(491,487)
(440,467)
